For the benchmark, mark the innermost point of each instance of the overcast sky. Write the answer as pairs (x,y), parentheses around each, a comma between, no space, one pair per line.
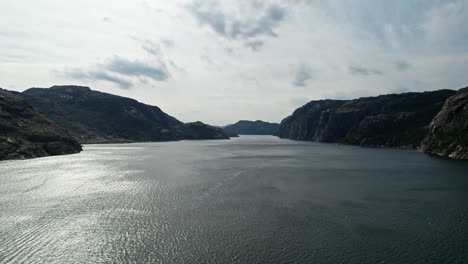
(221,61)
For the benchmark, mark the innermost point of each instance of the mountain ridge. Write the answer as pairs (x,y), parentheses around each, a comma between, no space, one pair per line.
(391,120)
(97,117)
(27,133)
(247,127)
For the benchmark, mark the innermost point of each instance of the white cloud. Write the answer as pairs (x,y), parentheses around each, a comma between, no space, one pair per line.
(446,23)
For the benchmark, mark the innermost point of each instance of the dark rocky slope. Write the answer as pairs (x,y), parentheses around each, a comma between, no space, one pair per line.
(394,120)
(308,121)
(448,132)
(245,127)
(199,130)
(96,117)
(26,133)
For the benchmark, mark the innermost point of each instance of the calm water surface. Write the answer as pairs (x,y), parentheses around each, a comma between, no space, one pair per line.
(254,199)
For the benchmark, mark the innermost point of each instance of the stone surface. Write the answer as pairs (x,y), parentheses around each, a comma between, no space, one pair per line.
(393,120)
(448,132)
(26,133)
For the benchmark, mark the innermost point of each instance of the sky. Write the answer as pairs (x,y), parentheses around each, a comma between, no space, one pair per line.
(228,60)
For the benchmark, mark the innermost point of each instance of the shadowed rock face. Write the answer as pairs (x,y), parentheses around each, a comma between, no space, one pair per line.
(448,132)
(308,121)
(394,120)
(96,117)
(26,133)
(199,130)
(244,127)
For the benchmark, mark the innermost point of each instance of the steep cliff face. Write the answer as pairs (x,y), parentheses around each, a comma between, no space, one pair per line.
(448,132)
(245,127)
(309,121)
(96,117)
(395,120)
(26,133)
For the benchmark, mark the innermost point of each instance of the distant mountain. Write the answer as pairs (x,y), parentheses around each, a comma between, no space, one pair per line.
(244,127)
(448,132)
(199,130)
(393,120)
(96,117)
(26,133)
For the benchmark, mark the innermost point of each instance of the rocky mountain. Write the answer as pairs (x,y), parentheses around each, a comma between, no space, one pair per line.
(26,133)
(199,130)
(393,120)
(448,131)
(309,122)
(245,127)
(97,117)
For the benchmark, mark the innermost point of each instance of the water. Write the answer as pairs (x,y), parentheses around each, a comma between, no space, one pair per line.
(254,199)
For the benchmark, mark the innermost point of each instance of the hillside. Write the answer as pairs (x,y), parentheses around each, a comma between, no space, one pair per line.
(26,133)
(448,132)
(393,120)
(245,127)
(97,117)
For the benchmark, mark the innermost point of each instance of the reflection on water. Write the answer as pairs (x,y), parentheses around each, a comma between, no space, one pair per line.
(253,199)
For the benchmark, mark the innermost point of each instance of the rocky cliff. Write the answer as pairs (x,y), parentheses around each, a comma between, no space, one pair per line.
(199,130)
(308,121)
(394,120)
(245,127)
(26,133)
(96,117)
(448,131)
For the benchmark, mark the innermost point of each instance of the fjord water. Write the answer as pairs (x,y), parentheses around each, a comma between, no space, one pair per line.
(253,199)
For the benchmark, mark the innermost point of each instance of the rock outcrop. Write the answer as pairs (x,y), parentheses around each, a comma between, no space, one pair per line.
(26,133)
(309,121)
(199,130)
(96,117)
(245,127)
(394,120)
(448,131)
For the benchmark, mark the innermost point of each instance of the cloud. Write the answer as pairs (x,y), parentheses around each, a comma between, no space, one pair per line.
(155,47)
(402,65)
(267,40)
(96,75)
(299,101)
(445,24)
(357,70)
(116,69)
(401,89)
(138,68)
(255,45)
(167,43)
(245,21)
(151,47)
(302,75)
(176,67)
